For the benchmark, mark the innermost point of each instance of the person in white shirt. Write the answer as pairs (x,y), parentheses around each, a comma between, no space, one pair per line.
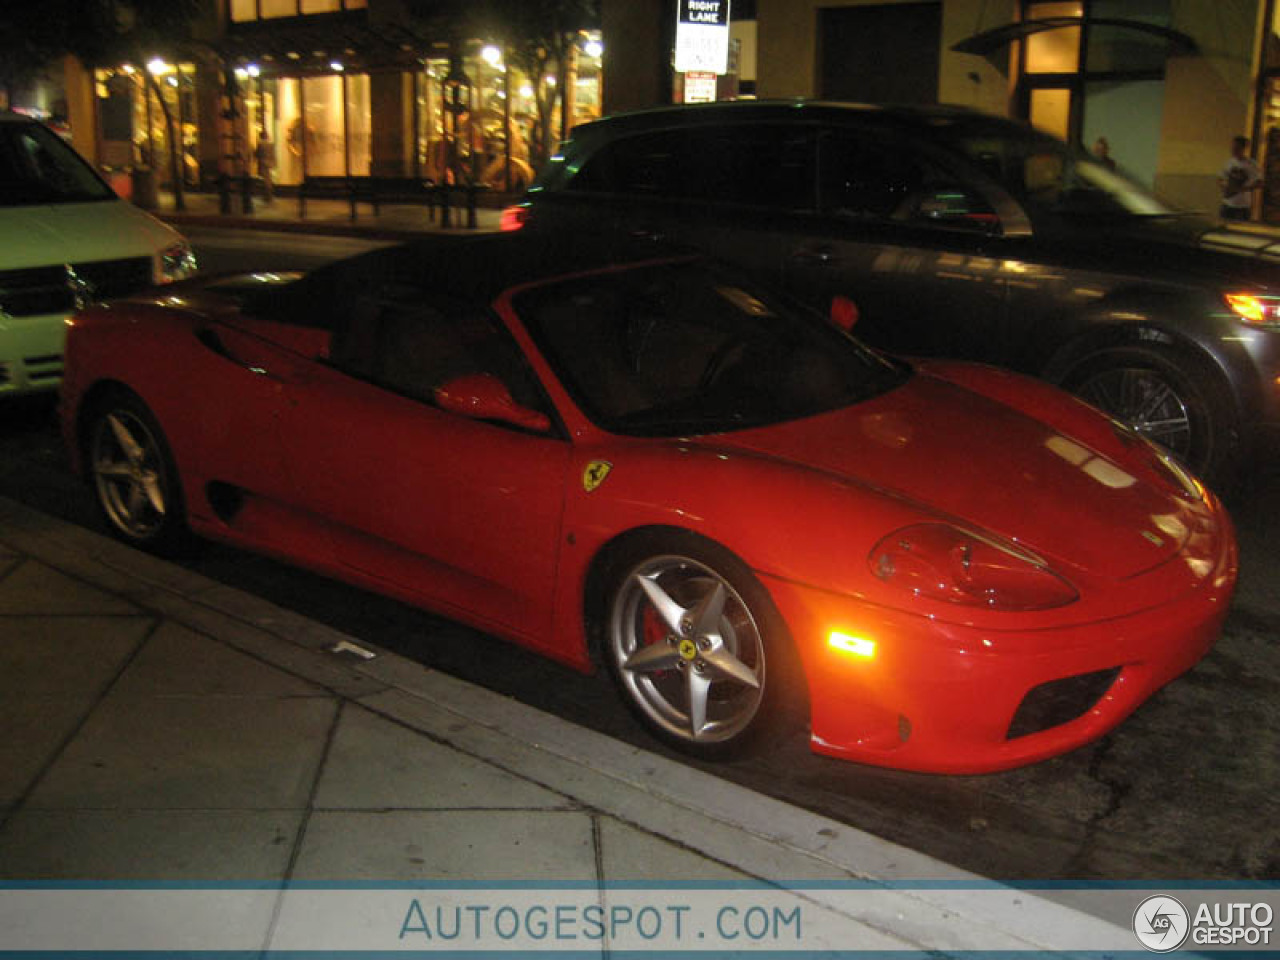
(1239,179)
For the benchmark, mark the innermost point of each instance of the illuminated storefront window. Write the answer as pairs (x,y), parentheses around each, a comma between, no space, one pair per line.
(243,11)
(1054,51)
(132,101)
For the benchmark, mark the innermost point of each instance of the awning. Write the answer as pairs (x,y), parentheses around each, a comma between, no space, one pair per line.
(990,41)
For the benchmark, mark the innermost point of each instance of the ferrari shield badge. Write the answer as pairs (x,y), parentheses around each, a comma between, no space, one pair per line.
(595,473)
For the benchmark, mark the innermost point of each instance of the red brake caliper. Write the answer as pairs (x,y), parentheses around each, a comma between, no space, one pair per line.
(654,630)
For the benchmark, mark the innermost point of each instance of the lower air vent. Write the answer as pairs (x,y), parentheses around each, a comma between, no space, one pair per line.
(1060,701)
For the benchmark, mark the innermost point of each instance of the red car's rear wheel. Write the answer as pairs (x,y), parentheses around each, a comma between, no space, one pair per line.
(134,480)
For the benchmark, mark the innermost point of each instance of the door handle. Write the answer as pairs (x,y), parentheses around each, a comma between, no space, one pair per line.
(647,233)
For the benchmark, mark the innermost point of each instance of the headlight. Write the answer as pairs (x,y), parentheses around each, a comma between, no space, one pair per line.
(1255,309)
(176,262)
(945,563)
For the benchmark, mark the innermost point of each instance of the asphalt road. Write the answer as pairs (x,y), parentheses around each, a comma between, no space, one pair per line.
(1188,788)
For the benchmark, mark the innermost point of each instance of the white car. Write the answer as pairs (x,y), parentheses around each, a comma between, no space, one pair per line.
(66,240)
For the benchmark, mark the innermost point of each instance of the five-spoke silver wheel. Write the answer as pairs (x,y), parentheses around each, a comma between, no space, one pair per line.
(687,650)
(131,475)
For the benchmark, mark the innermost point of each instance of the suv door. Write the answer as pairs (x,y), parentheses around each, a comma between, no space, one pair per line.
(913,244)
(735,190)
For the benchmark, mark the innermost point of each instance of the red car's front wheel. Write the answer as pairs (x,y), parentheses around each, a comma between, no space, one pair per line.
(692,641)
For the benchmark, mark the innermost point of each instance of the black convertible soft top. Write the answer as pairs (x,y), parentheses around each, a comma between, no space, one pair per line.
(476,269)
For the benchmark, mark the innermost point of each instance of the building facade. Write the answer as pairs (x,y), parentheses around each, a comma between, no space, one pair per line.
(290,89)
(1166,83)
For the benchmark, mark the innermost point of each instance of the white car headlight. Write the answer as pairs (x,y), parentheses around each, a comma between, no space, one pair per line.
(176,262)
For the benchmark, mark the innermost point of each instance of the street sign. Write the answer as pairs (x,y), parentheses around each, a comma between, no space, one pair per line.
(702,36)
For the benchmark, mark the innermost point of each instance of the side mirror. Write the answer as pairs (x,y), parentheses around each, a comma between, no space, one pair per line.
(844,313)
(482,396)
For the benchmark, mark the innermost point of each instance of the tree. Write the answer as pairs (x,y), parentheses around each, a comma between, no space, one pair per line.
(101,32)
(540,36)
(33,41)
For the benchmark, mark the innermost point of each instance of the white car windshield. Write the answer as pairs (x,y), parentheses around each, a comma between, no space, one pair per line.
(37,167)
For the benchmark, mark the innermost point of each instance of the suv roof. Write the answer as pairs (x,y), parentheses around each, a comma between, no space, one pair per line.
(754,111)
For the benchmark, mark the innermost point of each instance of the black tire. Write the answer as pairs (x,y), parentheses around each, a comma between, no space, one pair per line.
(1168,396)
(135,483)
(740,657)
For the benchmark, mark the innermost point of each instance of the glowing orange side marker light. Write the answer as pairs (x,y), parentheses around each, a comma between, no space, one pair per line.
(858,646)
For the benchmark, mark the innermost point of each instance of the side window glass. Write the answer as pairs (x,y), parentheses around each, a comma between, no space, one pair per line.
(752,165)
(399,338)
(863,179)
(763,166)
(952,206)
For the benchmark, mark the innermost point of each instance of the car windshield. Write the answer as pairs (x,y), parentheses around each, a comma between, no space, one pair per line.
(688,348)
(1046,175)
(37,167)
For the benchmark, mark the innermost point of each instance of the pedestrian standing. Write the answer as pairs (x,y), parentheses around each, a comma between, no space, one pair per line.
(265,153)
(1102,153)
(1239,179)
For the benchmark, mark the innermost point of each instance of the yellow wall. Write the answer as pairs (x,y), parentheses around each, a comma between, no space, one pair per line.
(1208,99)
(787,61)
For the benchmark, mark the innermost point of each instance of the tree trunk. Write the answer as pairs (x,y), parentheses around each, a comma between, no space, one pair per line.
(175,148)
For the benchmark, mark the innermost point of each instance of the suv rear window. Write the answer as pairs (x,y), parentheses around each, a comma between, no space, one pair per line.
(758,165)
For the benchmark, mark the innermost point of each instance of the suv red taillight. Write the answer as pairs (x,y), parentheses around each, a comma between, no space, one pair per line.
(513,218)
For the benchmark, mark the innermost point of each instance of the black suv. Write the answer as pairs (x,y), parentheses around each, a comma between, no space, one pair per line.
(957,234)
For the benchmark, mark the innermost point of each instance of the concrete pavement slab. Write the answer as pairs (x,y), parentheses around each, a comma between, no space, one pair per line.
(630,854)
(225,846)
(461,845)
(35,730)
(52,672)
(76,656)
(156,753)
(336,675)
(375,763)
(178,662)
(34,588)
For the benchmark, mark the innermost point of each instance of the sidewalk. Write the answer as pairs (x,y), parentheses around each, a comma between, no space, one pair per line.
(165,728)
(395,221)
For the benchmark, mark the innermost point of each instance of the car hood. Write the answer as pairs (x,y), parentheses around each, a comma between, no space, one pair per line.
(980,464)
(1186,246)
(78,233)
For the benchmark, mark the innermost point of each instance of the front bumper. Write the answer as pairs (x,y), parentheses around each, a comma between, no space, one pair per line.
(31,350)
(952,698)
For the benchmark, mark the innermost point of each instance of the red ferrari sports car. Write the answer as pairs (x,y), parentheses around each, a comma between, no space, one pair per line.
(638,458)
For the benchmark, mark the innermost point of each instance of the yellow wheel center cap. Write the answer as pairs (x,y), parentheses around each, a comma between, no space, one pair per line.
(688,649)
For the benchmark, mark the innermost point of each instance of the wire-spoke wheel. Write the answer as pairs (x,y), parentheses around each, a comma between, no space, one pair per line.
(133,477)
(689,641)
(1166,398)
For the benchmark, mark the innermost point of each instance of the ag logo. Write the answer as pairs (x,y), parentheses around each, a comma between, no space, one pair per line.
(595,473)
(1161,923)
